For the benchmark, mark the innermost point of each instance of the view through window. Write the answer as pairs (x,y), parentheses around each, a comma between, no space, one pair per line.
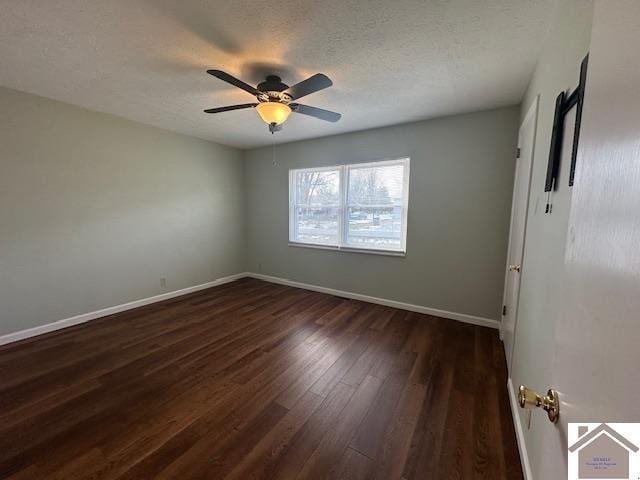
(358,206)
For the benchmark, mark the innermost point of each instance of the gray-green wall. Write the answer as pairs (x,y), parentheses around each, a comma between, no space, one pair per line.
(95,209)
(459,205)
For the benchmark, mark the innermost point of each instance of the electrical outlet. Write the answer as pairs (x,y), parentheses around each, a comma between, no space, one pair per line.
(259,267)
(163,282)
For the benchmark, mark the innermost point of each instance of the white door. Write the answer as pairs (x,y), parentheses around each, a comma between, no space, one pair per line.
(597,343)
(594,326)
(519,208)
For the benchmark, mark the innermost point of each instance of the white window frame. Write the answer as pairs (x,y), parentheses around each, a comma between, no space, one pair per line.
(343,218)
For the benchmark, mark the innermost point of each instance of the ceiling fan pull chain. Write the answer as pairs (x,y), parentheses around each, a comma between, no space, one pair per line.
(274,154)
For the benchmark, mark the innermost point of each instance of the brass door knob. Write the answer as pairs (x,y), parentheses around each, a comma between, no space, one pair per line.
(514,268)
(530,399)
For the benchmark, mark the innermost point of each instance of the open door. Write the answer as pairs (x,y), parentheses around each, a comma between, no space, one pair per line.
(592,330)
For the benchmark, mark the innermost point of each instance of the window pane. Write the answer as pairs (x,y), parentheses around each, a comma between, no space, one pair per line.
(375,227)
(317,225)
(368,212)
(320,188)
(376,185)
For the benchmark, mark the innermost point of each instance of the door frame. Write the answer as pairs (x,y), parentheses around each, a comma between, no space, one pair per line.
(532,111)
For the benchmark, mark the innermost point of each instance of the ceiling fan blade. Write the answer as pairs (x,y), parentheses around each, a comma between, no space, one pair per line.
(310,85)
(234,81)
(320,113)
(230,107)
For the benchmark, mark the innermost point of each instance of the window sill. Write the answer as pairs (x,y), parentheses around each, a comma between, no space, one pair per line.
(391,253)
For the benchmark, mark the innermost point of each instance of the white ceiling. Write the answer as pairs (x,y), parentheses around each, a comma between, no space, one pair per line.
(391,61)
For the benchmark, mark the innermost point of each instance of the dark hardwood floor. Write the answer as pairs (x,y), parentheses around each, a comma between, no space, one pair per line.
(256,380)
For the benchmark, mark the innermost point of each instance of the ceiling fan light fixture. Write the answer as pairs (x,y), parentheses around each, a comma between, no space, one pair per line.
(274,98)
(273,112)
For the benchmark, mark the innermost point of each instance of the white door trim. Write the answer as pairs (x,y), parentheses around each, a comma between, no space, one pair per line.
(517,423)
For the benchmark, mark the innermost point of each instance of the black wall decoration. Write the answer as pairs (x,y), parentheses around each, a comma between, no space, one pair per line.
(564,103)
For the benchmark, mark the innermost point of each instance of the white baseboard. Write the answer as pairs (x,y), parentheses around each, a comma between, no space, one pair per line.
(461,317)
(85,317)
(522,446)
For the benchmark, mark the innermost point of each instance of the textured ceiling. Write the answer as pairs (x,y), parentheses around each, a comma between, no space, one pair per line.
(391,61)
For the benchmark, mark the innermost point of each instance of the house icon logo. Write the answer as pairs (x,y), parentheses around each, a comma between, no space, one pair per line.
(604,451)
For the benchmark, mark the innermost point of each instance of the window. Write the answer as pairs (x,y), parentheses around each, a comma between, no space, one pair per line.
(350,207)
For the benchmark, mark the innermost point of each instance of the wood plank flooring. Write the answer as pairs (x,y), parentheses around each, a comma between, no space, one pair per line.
(255,380)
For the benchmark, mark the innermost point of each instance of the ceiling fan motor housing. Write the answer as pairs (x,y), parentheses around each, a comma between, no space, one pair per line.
(273,87)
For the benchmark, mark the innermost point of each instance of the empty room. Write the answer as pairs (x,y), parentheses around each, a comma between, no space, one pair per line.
(393,240)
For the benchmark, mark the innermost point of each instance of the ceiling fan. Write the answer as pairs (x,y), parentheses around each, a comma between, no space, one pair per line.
(276,100)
